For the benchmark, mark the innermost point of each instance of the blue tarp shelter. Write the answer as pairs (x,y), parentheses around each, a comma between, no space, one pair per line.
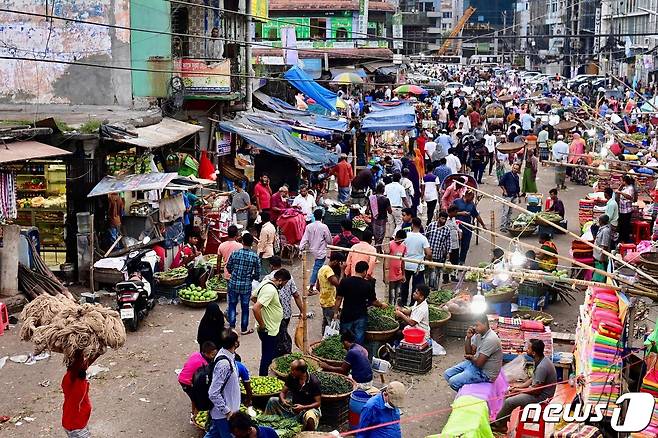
(304,83)
(278,141)
(392,119)
(306,117)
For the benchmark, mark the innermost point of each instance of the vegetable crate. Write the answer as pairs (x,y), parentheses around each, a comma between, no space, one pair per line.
(411,361)
(169,292)
(333,222)
(531,289)
(457,329)
(335,413)
(533,303)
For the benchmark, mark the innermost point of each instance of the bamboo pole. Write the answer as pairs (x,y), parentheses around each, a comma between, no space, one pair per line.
(493,226)
(564,230)
(646,291)
(304,321)
(521,274)
(583,166)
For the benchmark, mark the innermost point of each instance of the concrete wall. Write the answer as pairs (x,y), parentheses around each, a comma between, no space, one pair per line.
(40,38)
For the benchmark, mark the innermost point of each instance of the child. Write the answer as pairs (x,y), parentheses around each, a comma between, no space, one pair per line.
(455,238)
(546,262)
(531,261)
(77,406)
(193,363)
(394,269)
(243,374)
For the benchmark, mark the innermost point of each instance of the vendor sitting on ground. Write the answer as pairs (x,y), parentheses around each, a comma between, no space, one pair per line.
(189,251)
(554,204)
(547,262)
(419,314)
(356,361)
(484,357)
(299,398)
(540,387)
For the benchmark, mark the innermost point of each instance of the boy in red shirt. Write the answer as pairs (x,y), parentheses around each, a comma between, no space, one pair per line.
(394,269)
(77,406)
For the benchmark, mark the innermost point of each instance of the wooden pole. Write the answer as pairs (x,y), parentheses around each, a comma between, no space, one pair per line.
(354,152)
(493,227)
(521,274)
(92,249)
(564,230)
(648,292)
(583,166)
(304,321)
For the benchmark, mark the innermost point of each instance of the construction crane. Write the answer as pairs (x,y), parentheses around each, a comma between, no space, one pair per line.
(456,31)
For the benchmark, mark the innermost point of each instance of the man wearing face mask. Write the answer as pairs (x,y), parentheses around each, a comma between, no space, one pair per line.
(382,409)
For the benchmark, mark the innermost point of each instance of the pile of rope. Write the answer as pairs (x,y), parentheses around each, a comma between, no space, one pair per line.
(56,323)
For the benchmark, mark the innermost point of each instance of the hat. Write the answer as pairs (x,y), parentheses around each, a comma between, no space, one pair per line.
(560,137)
(396,393)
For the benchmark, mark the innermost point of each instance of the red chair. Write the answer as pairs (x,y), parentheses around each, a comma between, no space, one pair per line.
(641,230)
(536,430)
(626,247)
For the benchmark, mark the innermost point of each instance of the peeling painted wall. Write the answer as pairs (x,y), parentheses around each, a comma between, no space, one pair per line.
(40,38)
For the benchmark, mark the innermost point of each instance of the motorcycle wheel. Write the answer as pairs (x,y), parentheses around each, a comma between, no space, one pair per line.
(133,323)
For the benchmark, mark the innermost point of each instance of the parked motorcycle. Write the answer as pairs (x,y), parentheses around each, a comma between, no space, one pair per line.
(134,296)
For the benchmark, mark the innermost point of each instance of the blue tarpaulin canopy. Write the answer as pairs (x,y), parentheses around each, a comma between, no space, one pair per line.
(304,83)
(276,140)
(393,119)
(306,117)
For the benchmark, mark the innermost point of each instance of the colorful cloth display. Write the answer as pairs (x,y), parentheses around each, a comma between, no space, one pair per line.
(598,347)
(650,385)
(577,430)
(469,419)
(7,196)
(585,210)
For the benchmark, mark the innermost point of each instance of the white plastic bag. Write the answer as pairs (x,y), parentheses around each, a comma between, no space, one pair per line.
(437,349)
(332,329)
(515,370)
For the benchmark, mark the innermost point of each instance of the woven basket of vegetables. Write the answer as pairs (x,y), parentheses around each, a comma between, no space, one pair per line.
(381,327)
(335,386)
(438,317)
(534,315)
(172,277)
(329,350)
(281,365)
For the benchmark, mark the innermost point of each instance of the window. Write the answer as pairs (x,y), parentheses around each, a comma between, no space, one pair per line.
(180,45)
(447,15)
(272,34)
(341,33)
(318,28)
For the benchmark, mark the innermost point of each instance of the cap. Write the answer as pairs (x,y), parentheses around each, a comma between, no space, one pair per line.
(396,393)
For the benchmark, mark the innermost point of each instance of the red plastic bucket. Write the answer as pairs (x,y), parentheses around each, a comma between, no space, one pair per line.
(414,335)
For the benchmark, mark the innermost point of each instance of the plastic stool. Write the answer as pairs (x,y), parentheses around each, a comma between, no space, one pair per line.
(539,430)
(4,318)
(625,247)
(641,231)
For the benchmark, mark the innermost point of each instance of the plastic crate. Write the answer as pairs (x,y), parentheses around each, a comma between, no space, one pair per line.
(335,413)
(501,309)
(457,329)
(168,291)
(533,208)
(416,362)
(332,221)
(534,303)
(531,289)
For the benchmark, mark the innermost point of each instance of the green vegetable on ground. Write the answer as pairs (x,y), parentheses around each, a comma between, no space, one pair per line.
(437,314)
(380,322)
(330,348)
(284,427)
(333,384)
(197,293)
(216,283)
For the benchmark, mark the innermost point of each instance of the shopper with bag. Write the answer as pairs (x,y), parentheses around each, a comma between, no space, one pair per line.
(328,279)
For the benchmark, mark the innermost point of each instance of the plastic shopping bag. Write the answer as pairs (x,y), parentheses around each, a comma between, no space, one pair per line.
(515,370)
(331,329)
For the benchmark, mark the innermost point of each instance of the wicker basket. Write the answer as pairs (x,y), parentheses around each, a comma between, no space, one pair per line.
(522,232)
(171,282)
(382,336)
(535,313)
(500,297)
(435,324)
(309,361)
(339,396)
(196,304)
(333,363)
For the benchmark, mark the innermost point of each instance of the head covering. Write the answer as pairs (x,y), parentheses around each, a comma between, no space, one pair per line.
(211,326)
(396,393)
(560,137)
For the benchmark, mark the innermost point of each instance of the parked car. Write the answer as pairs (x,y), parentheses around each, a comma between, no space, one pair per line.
(453,87)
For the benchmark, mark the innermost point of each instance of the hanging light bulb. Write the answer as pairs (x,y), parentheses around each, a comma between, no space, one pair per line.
(518,259)
(503,277)
(478,304)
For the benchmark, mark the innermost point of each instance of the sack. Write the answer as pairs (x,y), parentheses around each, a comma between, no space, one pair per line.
(331,329)
(201,382)
(515,370)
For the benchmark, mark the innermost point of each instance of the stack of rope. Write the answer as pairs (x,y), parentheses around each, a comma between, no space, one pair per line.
(56,323)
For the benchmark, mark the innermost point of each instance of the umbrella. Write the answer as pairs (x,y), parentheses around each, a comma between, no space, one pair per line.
(340,103)
(410,89)
(347,79)
(650,105)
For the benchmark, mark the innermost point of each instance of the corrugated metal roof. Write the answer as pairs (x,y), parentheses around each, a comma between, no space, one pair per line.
(28,150)
(329,5)
(163,133)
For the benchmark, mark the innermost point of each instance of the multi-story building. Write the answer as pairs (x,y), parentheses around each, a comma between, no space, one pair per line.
(492,12)
(421,21)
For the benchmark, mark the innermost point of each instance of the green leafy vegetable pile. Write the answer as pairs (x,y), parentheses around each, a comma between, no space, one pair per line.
(330,348)
(378,321)
(439,297)
(333,384)
(282,364)
(437,314)
(284,427)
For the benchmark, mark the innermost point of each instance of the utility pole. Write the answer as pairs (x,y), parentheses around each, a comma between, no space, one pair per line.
(249,89)
(504,33)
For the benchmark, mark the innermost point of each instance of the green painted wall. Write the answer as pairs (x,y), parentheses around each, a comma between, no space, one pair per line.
(150,15)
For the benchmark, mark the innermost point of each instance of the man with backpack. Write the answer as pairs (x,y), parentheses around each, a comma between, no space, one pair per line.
(345,239)
(224,391)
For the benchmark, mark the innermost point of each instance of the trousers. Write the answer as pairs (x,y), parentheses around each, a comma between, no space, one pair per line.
(464,373)
(233,299)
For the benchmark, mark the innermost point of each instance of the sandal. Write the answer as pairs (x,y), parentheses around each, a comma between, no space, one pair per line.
(248,332)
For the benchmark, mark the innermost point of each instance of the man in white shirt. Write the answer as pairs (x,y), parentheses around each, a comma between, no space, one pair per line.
(398,199)
(490,144)
(387,93)
(407,184)
(560,154)
(453,162)
(527,120)
(464,122)
(442,116)
(418,248)
(430,148)
(305,201)
(419,314)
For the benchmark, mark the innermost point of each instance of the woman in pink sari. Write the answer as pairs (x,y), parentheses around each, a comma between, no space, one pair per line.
(454,191)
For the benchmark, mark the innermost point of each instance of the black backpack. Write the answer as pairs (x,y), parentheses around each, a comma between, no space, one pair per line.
(344,242)
(201,382)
